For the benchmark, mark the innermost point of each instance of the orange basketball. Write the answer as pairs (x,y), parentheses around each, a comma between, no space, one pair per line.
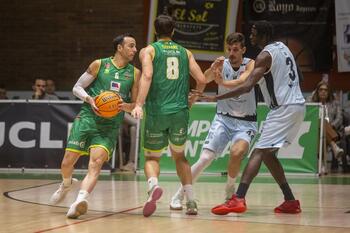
(107,103)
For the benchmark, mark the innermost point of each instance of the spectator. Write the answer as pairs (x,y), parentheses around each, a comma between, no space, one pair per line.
(129,132)
(3,95)
(332,115)
(39,89)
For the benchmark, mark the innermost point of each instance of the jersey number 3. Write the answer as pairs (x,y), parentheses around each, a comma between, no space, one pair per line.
(172,68)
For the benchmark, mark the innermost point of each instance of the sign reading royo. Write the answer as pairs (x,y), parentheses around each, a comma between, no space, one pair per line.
(299,157)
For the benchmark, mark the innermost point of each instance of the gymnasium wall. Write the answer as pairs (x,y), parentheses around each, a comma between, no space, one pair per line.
(59,39)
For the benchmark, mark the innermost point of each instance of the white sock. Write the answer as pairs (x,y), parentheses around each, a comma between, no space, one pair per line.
(83,194)
(230,186)
(67,181)
(188,191)
(179,193)
(152,181)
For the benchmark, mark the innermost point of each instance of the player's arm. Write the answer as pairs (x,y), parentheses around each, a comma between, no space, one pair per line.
(84,81)
(215,69)
(128,107)
(146,58)
(242,78)
(198,76)
(262,64)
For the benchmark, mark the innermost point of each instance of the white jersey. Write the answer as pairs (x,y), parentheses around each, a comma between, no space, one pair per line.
(280,85)
(241,107)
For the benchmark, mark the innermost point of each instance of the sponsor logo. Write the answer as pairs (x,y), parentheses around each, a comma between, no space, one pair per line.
(115,86)
(259,6)
(127,75)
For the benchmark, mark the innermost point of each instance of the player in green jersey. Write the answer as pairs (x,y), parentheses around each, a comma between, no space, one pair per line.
(166,69)
(91,134)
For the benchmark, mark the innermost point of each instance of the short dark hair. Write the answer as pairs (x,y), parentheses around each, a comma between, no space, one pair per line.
(235,37)
(264,28)
(119,40)
(164,25)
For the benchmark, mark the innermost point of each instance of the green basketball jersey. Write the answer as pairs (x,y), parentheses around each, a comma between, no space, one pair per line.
(110,78)
(170,82)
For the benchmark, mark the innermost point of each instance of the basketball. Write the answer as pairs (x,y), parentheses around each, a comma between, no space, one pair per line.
(107,103)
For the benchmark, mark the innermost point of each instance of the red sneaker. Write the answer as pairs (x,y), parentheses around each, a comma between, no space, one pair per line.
(289,207)
(232,205)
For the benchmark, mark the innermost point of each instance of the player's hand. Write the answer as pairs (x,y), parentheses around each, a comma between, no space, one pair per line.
(137,112)
(208,98)
(193,97)
(217,65)
(126,107)
(94,108)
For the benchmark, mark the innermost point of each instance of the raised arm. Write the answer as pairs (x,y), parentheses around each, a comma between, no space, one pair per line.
(262,64)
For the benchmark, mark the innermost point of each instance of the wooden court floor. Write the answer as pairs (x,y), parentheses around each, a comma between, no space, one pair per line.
(116,206)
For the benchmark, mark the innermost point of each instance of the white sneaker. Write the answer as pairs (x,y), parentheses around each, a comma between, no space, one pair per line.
(176,202)
(61,192)
(77,208)
(129,167)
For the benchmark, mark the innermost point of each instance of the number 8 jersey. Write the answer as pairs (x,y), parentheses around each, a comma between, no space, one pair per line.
(280,84)
(170,81)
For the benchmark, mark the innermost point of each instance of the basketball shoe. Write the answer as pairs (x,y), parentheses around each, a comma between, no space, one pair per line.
(232,205)
(61,192)
(154,195)
(176,202)
(191,208)
(78,208)
(289,207)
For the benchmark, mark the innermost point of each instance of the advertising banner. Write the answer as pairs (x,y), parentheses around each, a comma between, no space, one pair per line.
(34,135)
(299,157)
(303,25)
(342,20)
(201,26)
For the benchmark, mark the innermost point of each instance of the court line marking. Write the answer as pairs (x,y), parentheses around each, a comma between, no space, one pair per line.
(110,213)
(7,194)
(87,220)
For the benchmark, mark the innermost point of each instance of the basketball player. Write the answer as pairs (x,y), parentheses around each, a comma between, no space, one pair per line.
(276,72)
(235,119)
(91,134)
(166,69)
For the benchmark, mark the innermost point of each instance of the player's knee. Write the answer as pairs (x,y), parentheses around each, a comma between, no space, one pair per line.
(177,149)
(237,152)
(68,160)
(207,156)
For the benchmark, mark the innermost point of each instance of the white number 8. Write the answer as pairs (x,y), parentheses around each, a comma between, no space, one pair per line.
(172,68)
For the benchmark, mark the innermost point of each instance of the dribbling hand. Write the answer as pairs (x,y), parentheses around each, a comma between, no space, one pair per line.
(137,112)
